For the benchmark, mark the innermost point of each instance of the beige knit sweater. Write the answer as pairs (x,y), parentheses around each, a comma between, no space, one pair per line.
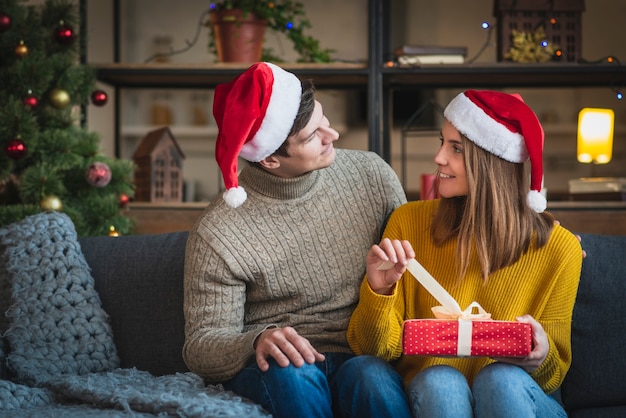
(292,255)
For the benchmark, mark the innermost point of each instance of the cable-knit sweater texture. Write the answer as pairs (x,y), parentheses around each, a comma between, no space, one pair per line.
(543,283)
(292,255)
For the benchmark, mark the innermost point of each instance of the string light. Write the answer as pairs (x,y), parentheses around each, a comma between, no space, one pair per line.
(558,52)
(191,43)
(486,26)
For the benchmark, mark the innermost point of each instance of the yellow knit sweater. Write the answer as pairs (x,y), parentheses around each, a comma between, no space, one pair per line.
(542,283)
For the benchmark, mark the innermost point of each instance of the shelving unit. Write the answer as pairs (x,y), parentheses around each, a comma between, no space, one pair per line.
(379,79)
(375,77)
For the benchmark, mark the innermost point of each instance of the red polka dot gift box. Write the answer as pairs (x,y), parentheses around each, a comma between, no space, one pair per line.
(459,333)
(466,337)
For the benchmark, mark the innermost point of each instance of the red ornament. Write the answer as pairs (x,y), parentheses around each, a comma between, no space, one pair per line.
(16,149)
(31,101)
(98,174)
(5,22)
(99,98)
(124,199)
(64,34)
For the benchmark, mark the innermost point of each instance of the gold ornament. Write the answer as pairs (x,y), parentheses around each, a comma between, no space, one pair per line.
(113,232)
(527,47)
(21,50)
(59,98)
(51,202)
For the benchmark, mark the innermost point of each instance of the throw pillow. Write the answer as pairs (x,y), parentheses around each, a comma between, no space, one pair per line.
(56,323)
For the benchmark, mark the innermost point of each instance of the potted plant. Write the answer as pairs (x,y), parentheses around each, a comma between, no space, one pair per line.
(246,20)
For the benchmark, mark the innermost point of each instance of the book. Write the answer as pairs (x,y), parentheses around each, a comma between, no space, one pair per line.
(411,55)
(431,50)
(430,59)
(598,188)
(598,185)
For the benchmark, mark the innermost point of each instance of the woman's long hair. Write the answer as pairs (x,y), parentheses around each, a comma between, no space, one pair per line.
(493,220)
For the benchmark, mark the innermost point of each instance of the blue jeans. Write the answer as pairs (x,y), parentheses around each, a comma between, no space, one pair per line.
(343,384)
(499,390)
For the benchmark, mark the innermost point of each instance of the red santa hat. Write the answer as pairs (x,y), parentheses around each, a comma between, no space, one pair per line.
(503,125)
(254,113)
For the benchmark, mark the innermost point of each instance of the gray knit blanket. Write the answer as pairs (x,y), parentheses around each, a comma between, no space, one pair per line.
(124,392)
(57,355)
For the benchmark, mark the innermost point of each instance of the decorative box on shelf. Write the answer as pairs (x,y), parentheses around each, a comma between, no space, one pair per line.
(561,20)
(598,188)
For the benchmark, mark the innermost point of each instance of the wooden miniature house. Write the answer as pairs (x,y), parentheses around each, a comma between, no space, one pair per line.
(560,19)
(159,168)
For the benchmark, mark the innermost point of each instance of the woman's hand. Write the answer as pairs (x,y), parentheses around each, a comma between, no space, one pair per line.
(540,349)
(395,252)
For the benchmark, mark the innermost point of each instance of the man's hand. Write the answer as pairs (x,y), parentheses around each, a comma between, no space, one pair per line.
(285,346)
(556,222)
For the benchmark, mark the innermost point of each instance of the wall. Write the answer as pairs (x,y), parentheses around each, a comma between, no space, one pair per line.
(342,26)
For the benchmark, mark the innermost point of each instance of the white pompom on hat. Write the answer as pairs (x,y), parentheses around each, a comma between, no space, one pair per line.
(505,126)
(254,113)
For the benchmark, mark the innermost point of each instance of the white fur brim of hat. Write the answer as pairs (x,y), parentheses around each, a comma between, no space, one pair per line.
(281,112)
(484,131)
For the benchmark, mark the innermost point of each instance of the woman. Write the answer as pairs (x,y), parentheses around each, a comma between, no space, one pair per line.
(487,240)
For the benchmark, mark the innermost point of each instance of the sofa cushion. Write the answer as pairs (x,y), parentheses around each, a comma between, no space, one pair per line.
(599,364)
(140,282)
(56,324)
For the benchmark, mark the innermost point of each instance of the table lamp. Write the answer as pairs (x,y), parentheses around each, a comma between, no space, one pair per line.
(595,135)
(595,145)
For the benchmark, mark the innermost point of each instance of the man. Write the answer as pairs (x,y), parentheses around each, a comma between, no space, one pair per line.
(273,267)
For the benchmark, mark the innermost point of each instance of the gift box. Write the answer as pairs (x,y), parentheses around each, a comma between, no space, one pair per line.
(464,338)
(456,332)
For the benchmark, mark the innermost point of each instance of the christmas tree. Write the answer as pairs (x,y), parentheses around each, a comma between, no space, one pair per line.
(48,159)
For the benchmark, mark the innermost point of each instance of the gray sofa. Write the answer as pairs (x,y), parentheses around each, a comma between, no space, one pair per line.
(140,283)
(147,318)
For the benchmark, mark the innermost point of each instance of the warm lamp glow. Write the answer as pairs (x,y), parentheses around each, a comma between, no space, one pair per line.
(595,135)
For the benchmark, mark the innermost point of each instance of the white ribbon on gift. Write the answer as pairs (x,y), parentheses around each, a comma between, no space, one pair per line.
(449,308)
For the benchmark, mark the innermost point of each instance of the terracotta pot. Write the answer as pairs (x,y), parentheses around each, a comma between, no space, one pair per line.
(237,38)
